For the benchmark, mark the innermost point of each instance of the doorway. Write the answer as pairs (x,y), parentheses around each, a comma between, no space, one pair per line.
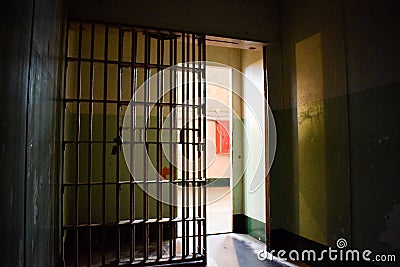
(135,146)
(219,156)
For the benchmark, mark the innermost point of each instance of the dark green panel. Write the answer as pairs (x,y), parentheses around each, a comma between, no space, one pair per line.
(375,146)
(284,188)
(246,225)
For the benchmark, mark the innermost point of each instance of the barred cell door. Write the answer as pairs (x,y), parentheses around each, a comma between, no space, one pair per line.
(134,147)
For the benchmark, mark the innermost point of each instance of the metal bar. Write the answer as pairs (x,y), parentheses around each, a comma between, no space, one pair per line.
(118,185)
(126,103)
(145,195)
(171,124)
(193,141)
(90,134)
(183,150)
(204,97)
(187,147)
(200,136)
(199,140)
(103,208)
(77,134)
(127,182)
(160,47)
(132,146)
(123,63)
(173,171)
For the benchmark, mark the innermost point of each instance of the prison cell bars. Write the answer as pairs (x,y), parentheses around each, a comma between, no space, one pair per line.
(186,107)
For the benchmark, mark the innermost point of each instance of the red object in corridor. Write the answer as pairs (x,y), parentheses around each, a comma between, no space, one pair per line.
(222,137)
(165,172)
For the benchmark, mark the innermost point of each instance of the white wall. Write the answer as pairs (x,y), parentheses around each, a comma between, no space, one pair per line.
(254,192)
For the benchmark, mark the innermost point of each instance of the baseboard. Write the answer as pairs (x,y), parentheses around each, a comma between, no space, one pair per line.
(244,224)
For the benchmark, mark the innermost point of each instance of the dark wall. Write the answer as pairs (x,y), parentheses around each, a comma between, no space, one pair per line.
(360,53)
(252,20)
(30,70)
(373,56)
(14,60)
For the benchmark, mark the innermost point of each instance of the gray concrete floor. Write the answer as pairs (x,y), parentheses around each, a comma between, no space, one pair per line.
(237,250)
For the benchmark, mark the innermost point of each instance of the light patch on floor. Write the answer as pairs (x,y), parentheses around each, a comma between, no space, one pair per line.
(237,250)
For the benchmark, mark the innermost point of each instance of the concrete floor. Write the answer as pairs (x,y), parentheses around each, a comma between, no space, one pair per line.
(237,250)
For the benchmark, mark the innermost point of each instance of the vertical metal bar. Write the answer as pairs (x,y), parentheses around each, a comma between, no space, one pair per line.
(157,106)
(183,150)
(204,97)
(118,185)
(160,54)
(187,166)
(103,184)
(171,125)
(132,143)
(145,182)
(173,147)
(90,147)
(194,143)
(200,140)
(77,137)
